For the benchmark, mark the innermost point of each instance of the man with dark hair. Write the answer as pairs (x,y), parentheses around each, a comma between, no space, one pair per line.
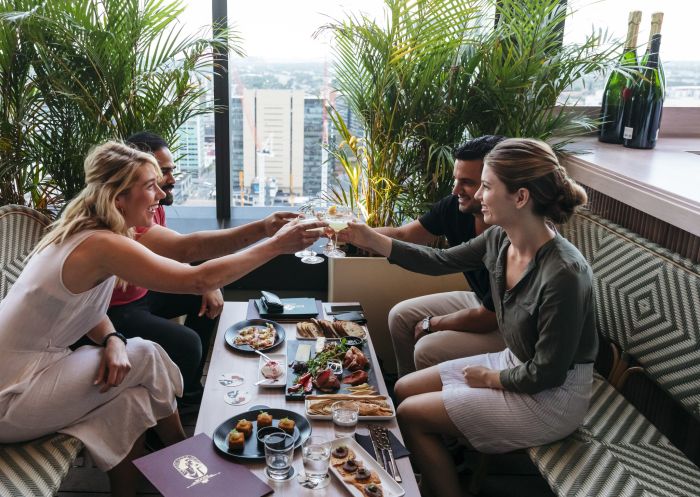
(147,314)
(434,328)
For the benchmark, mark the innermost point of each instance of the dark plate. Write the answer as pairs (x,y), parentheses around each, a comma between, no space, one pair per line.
(233,331)
(292,346)
(252,451)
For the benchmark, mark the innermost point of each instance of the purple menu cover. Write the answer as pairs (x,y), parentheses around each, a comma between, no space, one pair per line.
(194,468)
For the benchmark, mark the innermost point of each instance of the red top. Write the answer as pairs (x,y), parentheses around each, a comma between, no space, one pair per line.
(133,293)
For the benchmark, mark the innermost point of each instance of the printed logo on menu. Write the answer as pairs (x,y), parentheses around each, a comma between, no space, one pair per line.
(192,468)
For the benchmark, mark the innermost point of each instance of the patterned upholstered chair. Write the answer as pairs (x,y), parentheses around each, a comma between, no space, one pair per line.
(34,468)
(647,301)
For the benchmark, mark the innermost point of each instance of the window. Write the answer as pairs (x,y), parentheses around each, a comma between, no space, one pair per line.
(680,38)
(194,151)
(278,96)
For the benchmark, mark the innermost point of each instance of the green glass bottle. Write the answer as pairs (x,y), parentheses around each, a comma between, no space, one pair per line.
(643,120)
(657,19)
(617,88)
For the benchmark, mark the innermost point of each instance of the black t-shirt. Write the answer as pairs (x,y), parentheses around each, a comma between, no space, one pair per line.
(445,219)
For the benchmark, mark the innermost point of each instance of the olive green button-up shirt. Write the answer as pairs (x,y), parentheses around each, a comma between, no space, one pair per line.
(547,319)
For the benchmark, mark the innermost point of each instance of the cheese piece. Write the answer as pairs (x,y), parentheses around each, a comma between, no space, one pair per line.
(320,343)
(303,353)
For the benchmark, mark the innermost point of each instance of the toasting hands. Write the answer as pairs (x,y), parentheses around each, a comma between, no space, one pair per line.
(295,236)
(276,220)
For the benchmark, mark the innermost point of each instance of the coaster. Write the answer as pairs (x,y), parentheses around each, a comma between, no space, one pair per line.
(231,379)
(237,397)
(308,483)
(290,475)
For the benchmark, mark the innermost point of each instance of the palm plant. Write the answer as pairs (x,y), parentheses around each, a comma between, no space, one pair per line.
(437,72)
(104,69)
(394,74)
(521,69)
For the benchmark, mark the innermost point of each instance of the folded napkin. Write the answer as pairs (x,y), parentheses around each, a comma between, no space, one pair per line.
(366,442)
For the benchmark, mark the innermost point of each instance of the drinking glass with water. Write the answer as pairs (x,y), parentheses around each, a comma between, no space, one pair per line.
(316,454)
(345,413)
(279,452)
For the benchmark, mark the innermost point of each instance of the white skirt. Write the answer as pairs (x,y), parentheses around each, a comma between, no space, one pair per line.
(497,421)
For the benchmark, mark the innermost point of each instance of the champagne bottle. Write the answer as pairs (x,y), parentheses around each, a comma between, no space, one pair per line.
(644,117)
(657,19)
(617,87)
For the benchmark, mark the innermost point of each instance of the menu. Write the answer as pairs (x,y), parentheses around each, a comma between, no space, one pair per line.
(194,468)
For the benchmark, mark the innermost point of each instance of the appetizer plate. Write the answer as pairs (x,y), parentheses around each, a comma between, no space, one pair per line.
(361,418)
(293,347)
(389,487)
(281,381)
(252,451)
(234,330)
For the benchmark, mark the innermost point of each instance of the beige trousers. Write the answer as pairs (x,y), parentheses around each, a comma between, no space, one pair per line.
(439,346)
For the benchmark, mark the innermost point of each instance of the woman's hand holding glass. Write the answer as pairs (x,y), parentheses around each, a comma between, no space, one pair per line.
(295,235)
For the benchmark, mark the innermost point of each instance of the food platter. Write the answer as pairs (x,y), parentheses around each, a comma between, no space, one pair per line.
(252,449)
(294,356)
(235,331)
(369,399)
(389,487)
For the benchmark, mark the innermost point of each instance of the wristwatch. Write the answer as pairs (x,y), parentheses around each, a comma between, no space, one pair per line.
(114,334)
(426,324)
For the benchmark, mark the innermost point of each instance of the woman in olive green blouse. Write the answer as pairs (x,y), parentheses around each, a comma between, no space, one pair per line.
(537,390)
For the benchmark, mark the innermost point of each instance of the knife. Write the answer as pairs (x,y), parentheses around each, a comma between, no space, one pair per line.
(385,444)
(378,455)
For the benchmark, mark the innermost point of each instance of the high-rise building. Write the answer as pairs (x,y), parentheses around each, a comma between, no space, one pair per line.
(277,134)
(190,152)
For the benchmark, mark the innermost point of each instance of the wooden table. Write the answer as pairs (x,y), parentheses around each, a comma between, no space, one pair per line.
(214,410)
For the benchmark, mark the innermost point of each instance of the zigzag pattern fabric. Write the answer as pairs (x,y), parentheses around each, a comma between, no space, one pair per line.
(36,468)
(646,302)
(21,228)
(617,452)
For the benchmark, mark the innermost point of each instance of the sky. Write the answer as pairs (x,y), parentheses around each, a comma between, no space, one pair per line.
(282,29)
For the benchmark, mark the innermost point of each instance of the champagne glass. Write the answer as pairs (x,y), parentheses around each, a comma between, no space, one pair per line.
(338,218)
(307,255)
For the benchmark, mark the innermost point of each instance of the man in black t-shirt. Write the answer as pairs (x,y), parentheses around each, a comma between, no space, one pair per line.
(435,328)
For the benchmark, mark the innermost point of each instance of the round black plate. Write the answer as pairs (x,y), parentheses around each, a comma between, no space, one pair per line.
(252,451)
(233,331)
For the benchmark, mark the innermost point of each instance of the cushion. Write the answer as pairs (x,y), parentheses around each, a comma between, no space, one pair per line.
(36,468)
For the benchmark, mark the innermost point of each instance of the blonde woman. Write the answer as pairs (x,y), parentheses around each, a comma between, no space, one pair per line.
(105,396)
(536,390)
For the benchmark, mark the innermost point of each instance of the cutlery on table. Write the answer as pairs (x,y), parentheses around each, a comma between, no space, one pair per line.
(265,357)
(377,452)
(383,442)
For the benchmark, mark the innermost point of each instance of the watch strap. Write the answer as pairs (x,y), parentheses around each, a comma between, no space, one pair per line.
(114,334)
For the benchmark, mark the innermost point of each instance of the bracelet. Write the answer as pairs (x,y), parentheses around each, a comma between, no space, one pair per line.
(114,334)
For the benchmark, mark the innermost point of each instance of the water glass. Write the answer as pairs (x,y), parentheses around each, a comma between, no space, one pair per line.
(279,452)
(345,414)
(316,454)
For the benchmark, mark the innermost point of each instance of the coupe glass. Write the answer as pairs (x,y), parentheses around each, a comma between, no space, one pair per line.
(338,219)
(310,209)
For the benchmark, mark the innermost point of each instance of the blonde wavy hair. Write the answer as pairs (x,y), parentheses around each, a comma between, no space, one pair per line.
(111,169)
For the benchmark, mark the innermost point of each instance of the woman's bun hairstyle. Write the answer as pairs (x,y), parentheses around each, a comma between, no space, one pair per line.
(533,165)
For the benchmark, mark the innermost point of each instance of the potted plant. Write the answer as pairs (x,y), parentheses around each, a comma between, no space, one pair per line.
(431,74)
(84,72)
